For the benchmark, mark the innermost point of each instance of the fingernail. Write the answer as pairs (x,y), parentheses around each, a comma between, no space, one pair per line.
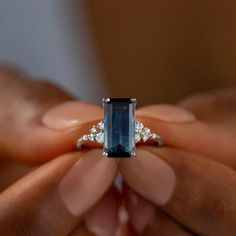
(123,215)
(71,114)
(141,211)
(102,219)
(85,183)
(149,176)
(167,113)
(126,230)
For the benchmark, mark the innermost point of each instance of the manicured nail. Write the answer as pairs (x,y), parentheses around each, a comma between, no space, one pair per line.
(149,176)
(102,219)
(126,230)
(71,114)
(167,113)
(141,211)
(85,183)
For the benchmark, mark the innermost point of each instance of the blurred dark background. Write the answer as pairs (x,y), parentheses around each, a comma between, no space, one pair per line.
(161,51)
(156,51)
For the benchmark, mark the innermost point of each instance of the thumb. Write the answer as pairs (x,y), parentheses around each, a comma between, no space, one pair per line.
(37,120)
(183,129)
(53,199)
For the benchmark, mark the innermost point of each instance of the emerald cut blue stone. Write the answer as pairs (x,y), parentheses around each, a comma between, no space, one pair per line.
(119,127)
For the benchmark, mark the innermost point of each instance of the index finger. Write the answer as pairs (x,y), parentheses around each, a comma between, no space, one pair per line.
(39,121)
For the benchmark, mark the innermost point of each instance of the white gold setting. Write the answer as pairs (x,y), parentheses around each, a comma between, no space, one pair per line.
(142,133)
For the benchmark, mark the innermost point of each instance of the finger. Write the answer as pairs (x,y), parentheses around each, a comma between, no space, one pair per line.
(62,190)
(39,121)
(81,230)
(11,171)
(197,192)
(164,225)
(141,211)
(216,107)
(148,220)
(126,230)
(180,130)
(102,219)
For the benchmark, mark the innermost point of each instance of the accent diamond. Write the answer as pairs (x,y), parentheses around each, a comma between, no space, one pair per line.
(91,137)
(137,138)
(100,137)
(84,137)
(146,134)
(93,130)
(138,127)
(101,125)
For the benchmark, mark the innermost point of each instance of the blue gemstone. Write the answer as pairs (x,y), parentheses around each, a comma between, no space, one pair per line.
(119,127)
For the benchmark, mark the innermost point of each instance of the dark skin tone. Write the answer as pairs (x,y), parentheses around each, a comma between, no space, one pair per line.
(191,160)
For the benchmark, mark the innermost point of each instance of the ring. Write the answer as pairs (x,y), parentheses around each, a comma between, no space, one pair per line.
(119,131)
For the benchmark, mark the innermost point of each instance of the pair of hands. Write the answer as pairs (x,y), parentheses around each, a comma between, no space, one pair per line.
(48,188)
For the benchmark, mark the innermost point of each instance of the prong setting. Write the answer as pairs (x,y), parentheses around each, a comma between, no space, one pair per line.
(105,154)
(133,154)
(105,100)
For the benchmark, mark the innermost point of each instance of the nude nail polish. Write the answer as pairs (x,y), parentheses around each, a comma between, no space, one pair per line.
(167,113)
(150,176)
(141,211)
(85,183)
(102,219)
(71,114)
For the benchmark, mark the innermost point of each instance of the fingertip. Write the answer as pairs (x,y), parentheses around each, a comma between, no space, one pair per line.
(168,113)
(86,182)
(150,176)
(102,219)
(71,114)
(141,211)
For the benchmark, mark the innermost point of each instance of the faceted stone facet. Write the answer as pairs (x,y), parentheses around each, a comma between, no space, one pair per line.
(119,127)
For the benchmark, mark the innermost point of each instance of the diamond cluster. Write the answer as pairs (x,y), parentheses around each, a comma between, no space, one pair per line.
(143,133)
(96,134)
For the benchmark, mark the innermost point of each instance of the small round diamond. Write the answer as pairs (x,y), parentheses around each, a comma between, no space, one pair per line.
(100,137)
(101,125)
(91,137)
(138,127)
(154,136)
(84,137)
(145,137)
(137,138)
(146,131)
(146,134)
(93,130)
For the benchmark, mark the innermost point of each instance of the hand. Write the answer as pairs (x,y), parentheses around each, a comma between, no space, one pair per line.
(46,187)
(187,187)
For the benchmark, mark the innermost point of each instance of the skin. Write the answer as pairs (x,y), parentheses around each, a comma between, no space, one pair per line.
(203,201)
(34,159)
(26,206)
